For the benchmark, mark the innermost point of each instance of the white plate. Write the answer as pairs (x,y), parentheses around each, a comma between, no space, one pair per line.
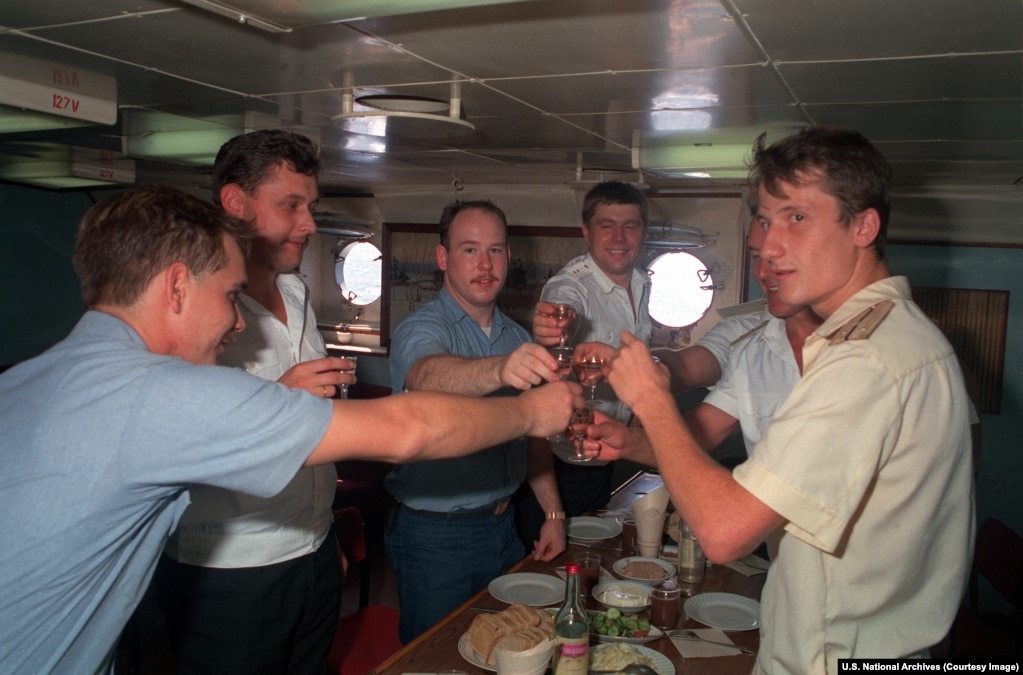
(654,634)
(662,665)
(622,563)
(588,528)
(470,655)
(725,611)
(535,590)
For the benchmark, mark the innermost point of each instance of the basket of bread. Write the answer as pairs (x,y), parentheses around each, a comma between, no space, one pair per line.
(518,633)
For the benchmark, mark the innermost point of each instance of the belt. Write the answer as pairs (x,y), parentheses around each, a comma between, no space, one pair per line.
(495,509)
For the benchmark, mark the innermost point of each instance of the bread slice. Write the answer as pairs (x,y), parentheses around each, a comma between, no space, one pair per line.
(521,641)
(487,629)
(484,632)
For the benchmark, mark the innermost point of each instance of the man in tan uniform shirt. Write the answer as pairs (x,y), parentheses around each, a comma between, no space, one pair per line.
(864,475)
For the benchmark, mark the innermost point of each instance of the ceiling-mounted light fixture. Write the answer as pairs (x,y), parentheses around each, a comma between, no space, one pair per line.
(676,156)
(56,166)
(194,140)
(633,178)
(37,94)
(167,137)
(402,116)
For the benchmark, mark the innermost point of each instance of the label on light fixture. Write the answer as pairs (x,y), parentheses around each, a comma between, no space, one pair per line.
(102,165)
(58,89)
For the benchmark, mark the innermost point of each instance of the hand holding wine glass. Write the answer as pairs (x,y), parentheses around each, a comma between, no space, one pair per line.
(590,372)
(351,369)
(548,329)
(580,420)
(563,312)
(563,355)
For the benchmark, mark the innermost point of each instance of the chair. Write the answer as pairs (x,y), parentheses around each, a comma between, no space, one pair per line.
(368,636)
(998,558)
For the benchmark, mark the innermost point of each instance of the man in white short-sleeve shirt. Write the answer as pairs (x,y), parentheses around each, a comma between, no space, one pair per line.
(761,367)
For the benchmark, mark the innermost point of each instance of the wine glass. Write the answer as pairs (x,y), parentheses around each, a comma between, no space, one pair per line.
(563,355)
(563,311)
(344,387)
(590,373)
(581,418)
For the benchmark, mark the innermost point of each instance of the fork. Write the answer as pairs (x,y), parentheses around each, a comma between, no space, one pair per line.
(690,635)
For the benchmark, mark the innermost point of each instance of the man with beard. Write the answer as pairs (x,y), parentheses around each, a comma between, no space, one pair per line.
(252,584)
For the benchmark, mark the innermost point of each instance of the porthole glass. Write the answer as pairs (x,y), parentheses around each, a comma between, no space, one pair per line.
(681,289)
(357,273)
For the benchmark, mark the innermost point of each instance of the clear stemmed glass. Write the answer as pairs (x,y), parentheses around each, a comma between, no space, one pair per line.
(581,418)
(344,387)
(563,311)
(563,355)
(590,373)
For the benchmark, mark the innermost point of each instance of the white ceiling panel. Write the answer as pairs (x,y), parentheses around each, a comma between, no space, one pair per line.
(937,82)
(834,30)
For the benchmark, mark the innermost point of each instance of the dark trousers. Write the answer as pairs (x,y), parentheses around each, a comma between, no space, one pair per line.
(583,489)
(274,619)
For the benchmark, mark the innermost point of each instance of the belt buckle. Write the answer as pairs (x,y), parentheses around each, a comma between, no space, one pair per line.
(501,507)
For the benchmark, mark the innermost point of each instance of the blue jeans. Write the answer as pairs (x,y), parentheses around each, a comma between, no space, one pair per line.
(441,563)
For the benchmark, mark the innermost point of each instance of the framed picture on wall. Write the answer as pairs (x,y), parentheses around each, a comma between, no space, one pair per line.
(411,277)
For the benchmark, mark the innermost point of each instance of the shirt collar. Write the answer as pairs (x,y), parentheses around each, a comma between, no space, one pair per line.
(455,314)
(607,285)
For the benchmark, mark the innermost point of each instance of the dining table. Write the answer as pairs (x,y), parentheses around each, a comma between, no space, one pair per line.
(437,651)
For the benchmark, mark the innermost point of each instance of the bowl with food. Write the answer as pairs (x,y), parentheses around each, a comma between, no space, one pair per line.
(625,596)
(642,570)
(613,626)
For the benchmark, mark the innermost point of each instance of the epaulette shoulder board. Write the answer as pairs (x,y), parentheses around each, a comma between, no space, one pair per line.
(580,270)
(863,325)
(751,332)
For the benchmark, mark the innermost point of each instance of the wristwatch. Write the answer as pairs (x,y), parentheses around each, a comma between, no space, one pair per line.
(555,515)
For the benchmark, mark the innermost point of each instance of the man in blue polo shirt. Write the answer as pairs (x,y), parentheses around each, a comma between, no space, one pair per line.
(453,530)
(104,433)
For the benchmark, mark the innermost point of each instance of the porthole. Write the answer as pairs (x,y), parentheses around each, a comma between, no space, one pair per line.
(681,289)
(357,269)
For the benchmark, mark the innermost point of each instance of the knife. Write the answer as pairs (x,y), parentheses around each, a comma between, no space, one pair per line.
(603,548)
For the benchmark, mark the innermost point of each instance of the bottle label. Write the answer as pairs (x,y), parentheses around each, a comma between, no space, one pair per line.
(572,650)
(571,657)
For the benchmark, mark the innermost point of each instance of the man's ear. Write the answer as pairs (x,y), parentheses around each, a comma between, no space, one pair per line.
(176,283)
(232,200)
(442,258)
(867,225)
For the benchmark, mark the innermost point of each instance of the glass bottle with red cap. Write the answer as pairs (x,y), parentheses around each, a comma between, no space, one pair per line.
(571,629)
